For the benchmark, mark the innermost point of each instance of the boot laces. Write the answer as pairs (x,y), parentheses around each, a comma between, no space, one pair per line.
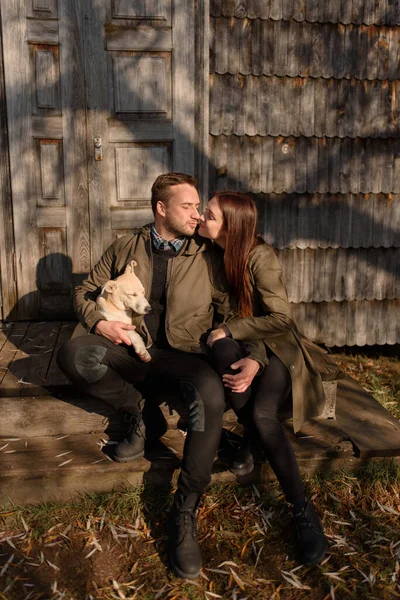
(130,417)
(135,425)
(187,524)
(303,522)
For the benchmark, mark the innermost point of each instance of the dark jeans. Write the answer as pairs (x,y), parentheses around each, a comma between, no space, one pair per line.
(110,372)
(258,407)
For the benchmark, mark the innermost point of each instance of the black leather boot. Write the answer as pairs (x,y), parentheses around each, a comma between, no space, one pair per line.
(242,462)
(132,446)
(141,433)
(183,548)
(311,542)
(248,452)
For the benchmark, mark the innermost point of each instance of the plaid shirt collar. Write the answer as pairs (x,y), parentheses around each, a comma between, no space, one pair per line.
(160,244)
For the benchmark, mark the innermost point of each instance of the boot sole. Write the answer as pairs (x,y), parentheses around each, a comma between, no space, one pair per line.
(245,471)
(181,574)
(317,559)
(128,458)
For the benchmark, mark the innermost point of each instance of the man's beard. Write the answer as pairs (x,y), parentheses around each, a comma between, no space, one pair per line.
(178,230)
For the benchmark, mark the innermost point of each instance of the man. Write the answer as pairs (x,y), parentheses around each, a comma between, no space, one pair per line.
(183,282)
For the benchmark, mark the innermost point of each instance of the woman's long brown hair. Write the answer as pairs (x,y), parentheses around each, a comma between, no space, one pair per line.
(240,223)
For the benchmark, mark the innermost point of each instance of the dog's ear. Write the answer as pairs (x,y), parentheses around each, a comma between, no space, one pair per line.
(130,266)
(110,287)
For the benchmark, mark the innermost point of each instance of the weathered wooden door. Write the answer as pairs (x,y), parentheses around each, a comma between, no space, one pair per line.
(115,73)
(140,96)
(46,114)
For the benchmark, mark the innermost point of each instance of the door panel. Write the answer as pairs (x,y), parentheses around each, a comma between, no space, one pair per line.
(119,70)
(140,66)
(47,133)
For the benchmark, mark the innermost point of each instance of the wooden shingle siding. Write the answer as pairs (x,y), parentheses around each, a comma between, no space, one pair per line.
(305,164)
(324,275)
(330,220)
(251,105)
(305,115)
(357,323)
(289,48)
(368,12)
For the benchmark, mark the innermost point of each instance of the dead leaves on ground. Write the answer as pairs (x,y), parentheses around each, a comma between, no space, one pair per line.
(244,541)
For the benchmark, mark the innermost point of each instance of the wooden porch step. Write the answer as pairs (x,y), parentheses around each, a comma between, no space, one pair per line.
(67,413)
(359,417)
(34,468)
(373,430)
(51,434)
(57,468)
(28,352)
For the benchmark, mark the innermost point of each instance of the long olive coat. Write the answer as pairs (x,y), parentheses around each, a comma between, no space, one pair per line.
(273,323)
(197,297)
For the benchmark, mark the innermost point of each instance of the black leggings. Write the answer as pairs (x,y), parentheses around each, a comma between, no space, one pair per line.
(258,408)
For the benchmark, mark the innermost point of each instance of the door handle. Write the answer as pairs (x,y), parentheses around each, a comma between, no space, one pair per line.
(98,148)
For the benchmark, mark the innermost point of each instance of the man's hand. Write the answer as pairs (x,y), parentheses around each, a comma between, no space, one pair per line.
(114,331)
(217,334)
(240,382)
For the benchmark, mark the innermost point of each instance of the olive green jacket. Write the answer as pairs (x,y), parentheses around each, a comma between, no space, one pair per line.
(273,324)
(196,291)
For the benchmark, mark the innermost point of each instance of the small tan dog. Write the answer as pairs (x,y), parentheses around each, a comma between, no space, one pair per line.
(120,299)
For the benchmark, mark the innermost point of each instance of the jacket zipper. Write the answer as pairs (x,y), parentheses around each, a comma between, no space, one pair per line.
(170,267)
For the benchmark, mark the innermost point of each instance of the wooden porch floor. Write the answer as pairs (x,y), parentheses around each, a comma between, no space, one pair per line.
(56,442)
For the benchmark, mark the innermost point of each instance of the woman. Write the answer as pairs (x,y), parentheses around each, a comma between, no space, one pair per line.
(255,279)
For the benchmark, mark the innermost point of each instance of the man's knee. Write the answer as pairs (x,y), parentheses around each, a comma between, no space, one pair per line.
(204,399)
(82,361)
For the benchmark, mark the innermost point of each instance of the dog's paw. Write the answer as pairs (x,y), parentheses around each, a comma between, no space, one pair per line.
(145,357)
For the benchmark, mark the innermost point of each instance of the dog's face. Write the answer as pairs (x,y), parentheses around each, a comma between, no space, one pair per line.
(126,292)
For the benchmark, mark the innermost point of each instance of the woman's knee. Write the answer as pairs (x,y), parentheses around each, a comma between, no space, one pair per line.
(225,352)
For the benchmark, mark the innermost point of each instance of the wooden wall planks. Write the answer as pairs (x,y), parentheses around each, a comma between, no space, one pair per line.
(19,108)
(344,165)
(304,114)
(328,274)
(369,12)
(330,220)
(8,291)
(74,128)
(356,323)
(252,105)
(304,49)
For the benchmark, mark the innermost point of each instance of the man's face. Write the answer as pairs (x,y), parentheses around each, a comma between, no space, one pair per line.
(180,212)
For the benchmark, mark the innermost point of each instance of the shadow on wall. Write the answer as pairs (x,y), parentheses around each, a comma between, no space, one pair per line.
(53,296)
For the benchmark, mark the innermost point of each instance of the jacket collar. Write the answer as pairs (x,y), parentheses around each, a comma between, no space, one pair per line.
(191,246)
(160,243)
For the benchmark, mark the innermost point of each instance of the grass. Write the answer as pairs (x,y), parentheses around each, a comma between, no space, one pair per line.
(112,545)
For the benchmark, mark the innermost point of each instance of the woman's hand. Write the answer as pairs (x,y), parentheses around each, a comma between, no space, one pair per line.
(240,382)
(217,334)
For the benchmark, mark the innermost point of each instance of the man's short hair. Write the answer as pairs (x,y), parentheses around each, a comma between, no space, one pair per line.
(161,187)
